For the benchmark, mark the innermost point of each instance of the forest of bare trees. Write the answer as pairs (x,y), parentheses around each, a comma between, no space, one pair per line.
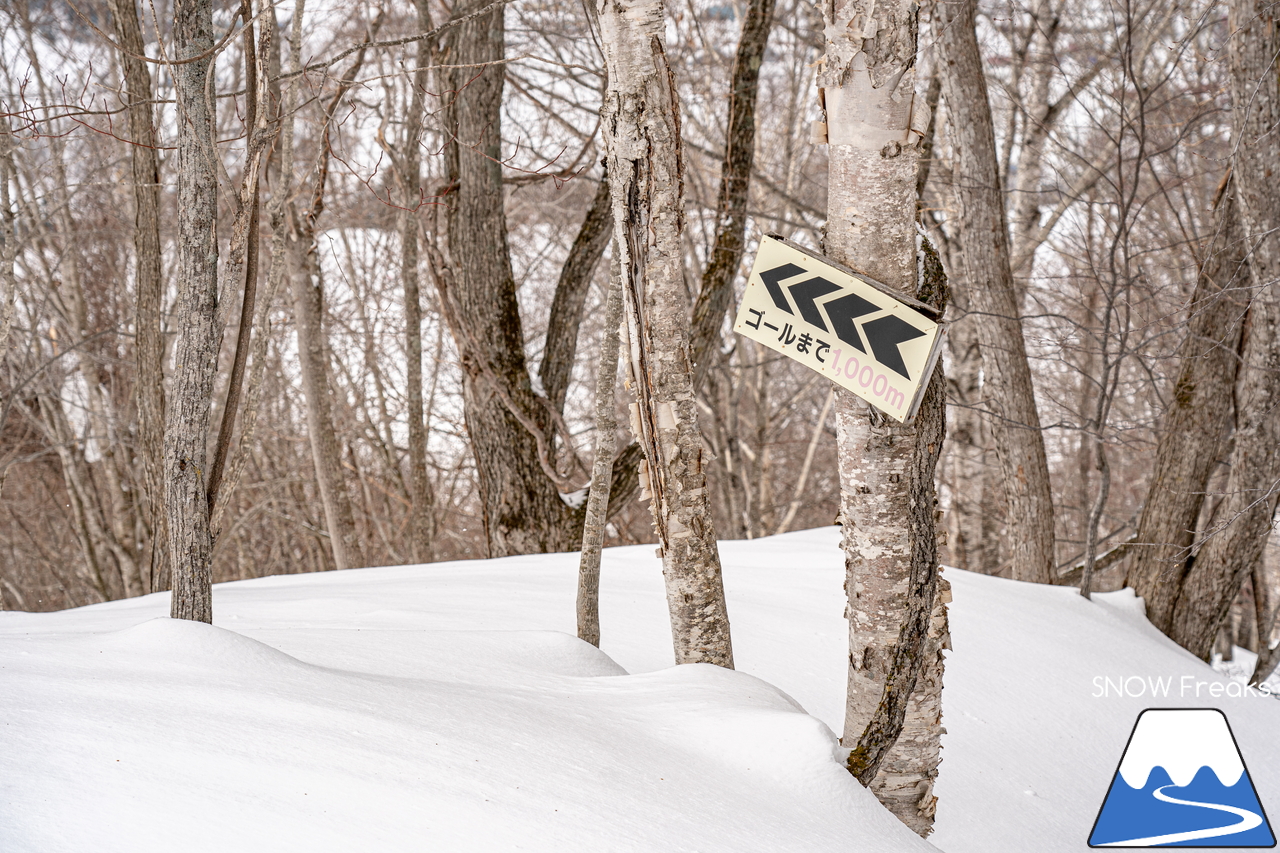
(325,284)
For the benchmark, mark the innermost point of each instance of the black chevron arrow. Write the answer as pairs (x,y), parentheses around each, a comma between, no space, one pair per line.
(884,335)
(805,292)
(775,275)
(841,313)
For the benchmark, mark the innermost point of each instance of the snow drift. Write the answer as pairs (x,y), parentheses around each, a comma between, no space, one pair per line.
(448,707)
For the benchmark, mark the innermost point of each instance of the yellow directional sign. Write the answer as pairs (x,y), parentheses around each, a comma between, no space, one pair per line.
(851,329)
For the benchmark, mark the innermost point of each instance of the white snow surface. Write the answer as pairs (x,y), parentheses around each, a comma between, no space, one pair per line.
(448,707)
(1181,741)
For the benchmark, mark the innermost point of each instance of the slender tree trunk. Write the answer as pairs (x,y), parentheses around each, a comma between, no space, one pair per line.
(196,351)
(241,267)
(9,235)
(326,452)
(149,336)
(571,296)
(969,539)
(886,469)
(313,351)
(602,468)
(277,210)
(1194,426)
(716,292)
(993,297)
(641,118)
(421,496)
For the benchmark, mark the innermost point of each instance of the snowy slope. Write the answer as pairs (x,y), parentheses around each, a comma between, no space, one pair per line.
(447,707)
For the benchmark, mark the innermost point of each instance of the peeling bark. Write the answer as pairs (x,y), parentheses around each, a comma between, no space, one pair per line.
(886,469)
(641,122)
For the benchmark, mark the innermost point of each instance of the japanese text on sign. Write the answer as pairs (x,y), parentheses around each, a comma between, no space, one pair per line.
(838,323)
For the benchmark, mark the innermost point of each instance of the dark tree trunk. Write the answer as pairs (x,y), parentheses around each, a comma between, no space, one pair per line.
(1196,422)
(735,180)
(149,340)
(984,237)
(1236,546)
(523,511)
(421,495)
(571,296)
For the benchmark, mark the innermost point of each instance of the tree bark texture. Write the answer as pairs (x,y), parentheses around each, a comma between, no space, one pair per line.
(240,271)
(8,232)
(968,534)
(196,350)
(1195,424)
(1265,615)
(602,468)
(571,296)
(421,496)
(898,754)
(716,292)
(886,473)
(641,121)
(993,297)
(1236,546)
(149,287)
(523,511)
(277,214)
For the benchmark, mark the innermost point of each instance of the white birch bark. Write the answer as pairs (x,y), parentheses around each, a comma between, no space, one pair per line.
(641,128)
(868,78)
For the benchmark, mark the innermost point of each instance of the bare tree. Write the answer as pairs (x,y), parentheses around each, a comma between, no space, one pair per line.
(641,118)
(886,470)
(1236,546)
(196,349)
(993,298)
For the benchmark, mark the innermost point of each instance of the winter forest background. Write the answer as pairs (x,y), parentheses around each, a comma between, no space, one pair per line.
(1113,137)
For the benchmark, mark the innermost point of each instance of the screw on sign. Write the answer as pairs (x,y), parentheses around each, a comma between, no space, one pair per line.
(880,345)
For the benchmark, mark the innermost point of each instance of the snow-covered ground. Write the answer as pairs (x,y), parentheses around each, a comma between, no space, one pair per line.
(449,708)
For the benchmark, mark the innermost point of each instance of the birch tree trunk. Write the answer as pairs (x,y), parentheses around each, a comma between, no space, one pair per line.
(886,469)
(196,349)
(1232,551)
(313,350)
(993,297)
(149,289)
(641,121)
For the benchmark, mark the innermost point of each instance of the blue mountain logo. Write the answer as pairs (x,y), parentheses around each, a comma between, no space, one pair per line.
(1182,783)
